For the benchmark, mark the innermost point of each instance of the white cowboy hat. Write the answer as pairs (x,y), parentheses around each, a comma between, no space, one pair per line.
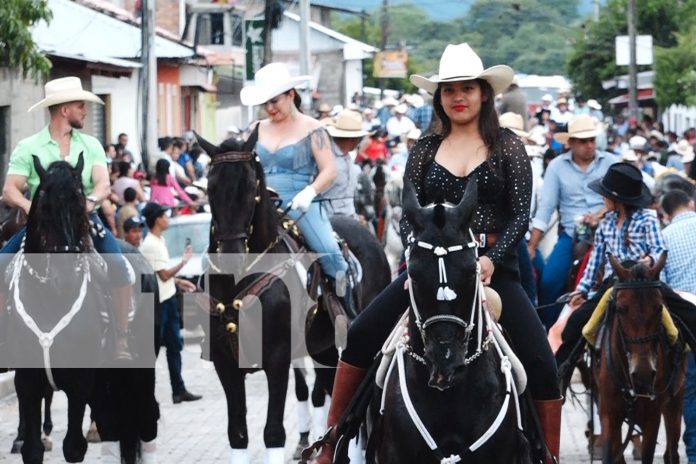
(629,156)
(64,90)
(414,134)
(514,122)
(594,104)
(347,125)
(685,149)
(270,81)
(461,63)
(581,126)
(637,142)
(401,109)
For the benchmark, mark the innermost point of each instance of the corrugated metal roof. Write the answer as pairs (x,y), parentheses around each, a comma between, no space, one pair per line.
(102,59)
(79,30)
(334,34)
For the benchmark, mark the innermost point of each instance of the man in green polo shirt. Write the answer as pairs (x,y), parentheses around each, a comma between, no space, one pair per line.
(60,140)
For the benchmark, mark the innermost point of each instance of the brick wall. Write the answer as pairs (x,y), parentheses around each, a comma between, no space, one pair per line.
(167,13)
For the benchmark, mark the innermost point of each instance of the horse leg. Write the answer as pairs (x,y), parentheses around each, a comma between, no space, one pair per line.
(21,432)
(650,428)
(672,411)
(48,422)
(303,416)
(232,380)
(274,433)
(611,430)
(74,443)
(29,394)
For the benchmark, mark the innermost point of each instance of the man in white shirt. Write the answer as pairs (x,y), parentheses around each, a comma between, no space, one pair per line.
(399,124)
(154,248)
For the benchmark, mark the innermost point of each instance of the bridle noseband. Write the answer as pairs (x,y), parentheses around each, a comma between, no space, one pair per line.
(237,157)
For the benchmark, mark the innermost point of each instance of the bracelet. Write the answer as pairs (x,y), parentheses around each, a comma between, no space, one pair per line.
(93,199)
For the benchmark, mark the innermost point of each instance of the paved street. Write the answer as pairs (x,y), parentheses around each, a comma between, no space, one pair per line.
(196,432)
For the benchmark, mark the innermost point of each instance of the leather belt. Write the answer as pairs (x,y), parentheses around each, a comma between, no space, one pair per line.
(486,240)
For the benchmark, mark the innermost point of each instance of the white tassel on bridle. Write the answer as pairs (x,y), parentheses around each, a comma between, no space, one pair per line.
(444,293)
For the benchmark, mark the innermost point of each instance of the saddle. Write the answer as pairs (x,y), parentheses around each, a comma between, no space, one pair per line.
(594,325)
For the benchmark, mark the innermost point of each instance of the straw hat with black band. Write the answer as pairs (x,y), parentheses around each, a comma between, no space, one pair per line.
(581,126)
(347,125)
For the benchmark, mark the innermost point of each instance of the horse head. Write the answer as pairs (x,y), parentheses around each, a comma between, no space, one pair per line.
(58,220)
(638,305)
(442,269)
(243,218)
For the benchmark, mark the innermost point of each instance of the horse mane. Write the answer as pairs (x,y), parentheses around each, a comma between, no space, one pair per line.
(265,219)
(58,220)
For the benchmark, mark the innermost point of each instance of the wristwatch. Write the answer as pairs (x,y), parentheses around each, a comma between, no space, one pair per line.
(93,199)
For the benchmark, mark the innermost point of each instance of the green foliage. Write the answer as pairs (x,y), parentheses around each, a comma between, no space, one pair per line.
(531,36)
(593,57)
(17,49)
(675,76)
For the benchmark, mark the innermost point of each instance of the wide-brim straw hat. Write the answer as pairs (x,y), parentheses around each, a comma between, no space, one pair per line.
(270,81)
(581,126)
(64,90)
(623,182)
(347,125)
(685,149)
(461,63)
(515,123)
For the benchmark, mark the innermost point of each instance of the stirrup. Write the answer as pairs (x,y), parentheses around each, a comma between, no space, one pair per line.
(318,445)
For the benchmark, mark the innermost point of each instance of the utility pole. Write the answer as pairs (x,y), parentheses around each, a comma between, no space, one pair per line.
(632,67)
(385,38)
(305,51)
(148,82)
(268,32)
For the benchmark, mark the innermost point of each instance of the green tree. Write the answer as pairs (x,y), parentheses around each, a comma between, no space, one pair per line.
(675,76)
(17,48)
(592,59)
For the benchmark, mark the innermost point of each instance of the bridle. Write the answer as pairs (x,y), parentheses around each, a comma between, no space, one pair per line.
(236,157)
(626,384)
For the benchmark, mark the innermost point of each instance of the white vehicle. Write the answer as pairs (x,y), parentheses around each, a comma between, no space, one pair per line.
(194,229)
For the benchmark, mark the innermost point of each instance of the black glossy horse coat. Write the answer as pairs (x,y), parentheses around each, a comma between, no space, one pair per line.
(456,397)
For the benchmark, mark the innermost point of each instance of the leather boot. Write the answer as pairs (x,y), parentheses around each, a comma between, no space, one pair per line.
(550,418)
(122,305)
(347,380)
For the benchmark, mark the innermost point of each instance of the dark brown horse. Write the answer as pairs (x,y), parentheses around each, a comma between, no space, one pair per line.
(639,376)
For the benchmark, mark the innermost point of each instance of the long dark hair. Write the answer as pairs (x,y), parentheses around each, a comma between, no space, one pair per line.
(489,127)
(297,100)
(161,171)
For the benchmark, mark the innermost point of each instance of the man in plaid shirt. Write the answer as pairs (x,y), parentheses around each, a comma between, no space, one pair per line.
(678,274)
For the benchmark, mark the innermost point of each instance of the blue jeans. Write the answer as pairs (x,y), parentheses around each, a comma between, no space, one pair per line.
(526,275)
(314,225)
(554,277)
(120,273)
(170,336)
(690,411)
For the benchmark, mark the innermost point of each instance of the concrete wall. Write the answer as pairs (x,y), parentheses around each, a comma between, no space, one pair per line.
(125,113)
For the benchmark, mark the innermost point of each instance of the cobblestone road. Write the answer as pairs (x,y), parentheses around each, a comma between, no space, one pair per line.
(196,432)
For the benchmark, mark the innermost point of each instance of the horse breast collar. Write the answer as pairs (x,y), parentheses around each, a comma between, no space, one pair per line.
(484,318)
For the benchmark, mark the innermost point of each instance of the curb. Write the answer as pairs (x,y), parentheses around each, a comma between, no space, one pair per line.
(7,386)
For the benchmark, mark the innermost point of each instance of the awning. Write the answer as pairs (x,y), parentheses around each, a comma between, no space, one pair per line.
(194,76)
(643,94)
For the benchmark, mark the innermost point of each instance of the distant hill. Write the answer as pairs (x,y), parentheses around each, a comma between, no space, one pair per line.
(441,10)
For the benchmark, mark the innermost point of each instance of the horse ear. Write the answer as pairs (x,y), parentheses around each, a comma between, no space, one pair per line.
(411,207)
(655,270)
(39,169)
(80,165)
(623,273)
(466,207)
(209,148)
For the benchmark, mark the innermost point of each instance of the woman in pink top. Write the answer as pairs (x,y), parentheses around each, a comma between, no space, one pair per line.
(162,184)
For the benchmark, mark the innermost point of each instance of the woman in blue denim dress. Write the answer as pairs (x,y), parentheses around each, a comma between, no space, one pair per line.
(295,152)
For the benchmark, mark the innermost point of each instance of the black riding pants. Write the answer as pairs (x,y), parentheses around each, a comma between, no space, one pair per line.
(677,306)
(371,328)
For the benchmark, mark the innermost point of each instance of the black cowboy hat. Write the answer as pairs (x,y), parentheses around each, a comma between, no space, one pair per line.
(623,182)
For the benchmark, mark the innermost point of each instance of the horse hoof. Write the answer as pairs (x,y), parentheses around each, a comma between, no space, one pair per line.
(93,434)
(637,454)
(47,443)
(16,446)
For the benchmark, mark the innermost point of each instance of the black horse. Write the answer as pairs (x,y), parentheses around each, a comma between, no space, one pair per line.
(57,307)
(448,371)
(245,220)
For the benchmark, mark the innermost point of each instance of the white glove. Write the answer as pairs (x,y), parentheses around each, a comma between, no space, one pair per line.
(303,200)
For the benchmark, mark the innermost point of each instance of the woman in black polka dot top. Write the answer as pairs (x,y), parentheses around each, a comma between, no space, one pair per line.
(468,146)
